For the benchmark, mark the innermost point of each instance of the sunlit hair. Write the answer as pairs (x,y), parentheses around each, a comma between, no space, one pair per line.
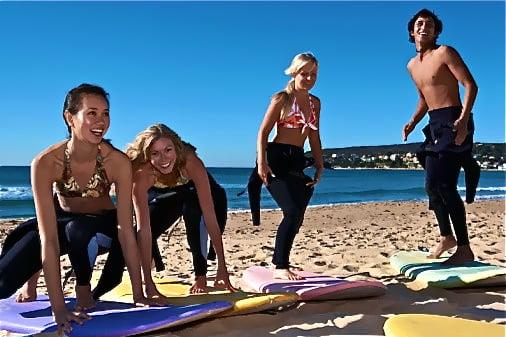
(139,150)
(298,62)
(425,13)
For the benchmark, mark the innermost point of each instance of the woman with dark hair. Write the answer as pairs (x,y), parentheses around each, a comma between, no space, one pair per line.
(81,170)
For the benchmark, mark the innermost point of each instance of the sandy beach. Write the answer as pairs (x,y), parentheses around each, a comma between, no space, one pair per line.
(353,241)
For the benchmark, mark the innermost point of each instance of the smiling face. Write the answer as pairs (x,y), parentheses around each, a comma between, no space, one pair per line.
(424,30)
(162,155)
(305,78)
(91,121)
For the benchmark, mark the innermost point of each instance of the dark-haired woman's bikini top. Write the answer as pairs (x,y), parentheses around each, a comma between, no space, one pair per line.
(98,186)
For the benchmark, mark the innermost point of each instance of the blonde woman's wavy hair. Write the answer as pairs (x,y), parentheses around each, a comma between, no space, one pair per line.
(286,95)
(138,150)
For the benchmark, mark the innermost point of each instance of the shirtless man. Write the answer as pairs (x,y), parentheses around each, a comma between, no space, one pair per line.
(437,71)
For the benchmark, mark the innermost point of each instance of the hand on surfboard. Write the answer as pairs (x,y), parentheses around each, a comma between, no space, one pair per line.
(223,281)
(64,317)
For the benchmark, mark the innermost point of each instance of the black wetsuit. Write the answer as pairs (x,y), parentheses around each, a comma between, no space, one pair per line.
(166,206)
(442,160)
(21,251)
(468,163)
(254,189)
(289,190)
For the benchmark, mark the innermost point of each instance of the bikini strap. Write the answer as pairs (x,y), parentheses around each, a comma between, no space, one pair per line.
(67,171)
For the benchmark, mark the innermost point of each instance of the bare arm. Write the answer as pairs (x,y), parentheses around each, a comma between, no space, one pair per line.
(316,145)
(459,69)
(198,174)
(271,116)
(41,171)
(123,181)
(141,183)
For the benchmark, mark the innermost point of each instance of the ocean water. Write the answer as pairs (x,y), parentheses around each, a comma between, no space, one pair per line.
(336,186)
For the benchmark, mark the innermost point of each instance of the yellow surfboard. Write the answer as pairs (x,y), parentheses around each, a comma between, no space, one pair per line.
(179,294)
(419,325)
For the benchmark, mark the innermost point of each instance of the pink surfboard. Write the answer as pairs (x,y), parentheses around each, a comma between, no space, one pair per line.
(313,287)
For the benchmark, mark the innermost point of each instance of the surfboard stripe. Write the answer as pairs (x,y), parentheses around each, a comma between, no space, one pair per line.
(312,287)
(417,266)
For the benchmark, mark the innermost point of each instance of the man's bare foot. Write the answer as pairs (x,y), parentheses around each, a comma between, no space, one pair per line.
(285,274)
(28,292)
(447,242)
(200,285)
(84,298)
(462,255)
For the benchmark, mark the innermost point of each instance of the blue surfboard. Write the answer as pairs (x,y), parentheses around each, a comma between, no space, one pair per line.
(108,319)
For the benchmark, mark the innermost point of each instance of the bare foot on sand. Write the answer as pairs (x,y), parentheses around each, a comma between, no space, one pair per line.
(84,299)
(200,285)
(28,292)
(286,274)
(447,242)
(462,255)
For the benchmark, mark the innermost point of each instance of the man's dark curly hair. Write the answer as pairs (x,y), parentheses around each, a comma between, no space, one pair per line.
(425,13)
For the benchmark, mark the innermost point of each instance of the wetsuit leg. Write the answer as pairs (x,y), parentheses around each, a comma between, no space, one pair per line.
(163,214)
(436,203)
(449,168)
(80,231)
(192,215)
(254,191)
(112,274)
(21,255)
(442,175)
(472,175)
(292,196)
(220,209)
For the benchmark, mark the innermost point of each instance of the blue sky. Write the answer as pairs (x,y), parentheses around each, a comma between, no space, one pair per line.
(207,69)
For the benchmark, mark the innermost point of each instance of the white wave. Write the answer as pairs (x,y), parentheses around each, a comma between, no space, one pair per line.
(491,189)
(15,193)
(229,186)
(490,196)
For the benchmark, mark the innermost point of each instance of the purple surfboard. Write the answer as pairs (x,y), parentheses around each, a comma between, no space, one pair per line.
(312,287)
(108,319)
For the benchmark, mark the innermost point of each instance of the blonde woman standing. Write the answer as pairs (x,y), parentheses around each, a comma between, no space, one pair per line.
(296,114)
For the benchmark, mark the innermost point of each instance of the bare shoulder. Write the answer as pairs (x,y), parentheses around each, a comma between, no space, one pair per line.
(117,164)
(411,63)
(194,165)
(143,176)
(191,157)
(448,52)
(280,98)
(112,155)
(50,158)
